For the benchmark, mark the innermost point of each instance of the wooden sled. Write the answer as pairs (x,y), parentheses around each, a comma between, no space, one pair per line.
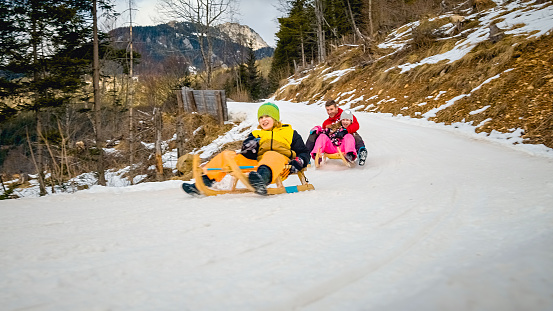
(324,156)
(238,174)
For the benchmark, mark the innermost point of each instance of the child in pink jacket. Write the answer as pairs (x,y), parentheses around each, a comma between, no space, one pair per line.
(329,141)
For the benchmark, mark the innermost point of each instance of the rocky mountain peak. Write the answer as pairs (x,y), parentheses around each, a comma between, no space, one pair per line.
(242,35)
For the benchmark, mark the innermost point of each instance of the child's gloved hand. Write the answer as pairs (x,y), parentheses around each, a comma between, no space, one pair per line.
(341,134)
(296,165)
(316,130)
(250,145)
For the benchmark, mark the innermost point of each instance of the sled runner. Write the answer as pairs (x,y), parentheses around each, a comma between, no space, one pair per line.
(321,157)
(238,174)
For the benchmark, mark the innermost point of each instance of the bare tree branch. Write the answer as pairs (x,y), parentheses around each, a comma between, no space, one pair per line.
(203,14)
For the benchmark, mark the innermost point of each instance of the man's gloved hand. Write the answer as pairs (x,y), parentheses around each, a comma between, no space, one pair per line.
(296,165)
(341,133)
(250,145)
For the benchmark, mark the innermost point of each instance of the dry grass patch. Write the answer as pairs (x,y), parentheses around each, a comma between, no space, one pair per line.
(424,36)
(472,23)
(519,97)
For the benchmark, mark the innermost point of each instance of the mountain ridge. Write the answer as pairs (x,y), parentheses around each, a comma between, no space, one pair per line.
(158,43)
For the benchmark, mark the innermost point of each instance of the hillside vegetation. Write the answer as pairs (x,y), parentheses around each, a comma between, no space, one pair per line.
(492,69)
(481,63)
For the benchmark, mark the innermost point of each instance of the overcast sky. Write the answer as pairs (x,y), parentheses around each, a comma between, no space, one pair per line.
(260,15)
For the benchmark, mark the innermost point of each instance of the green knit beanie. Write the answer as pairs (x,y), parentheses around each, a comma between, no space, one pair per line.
(269,109)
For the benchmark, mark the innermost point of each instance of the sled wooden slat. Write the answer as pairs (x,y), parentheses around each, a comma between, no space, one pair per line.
(238,175)
(197,174)
(339,155)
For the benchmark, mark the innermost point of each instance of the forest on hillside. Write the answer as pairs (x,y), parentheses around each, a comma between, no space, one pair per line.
(486,65)
(313,29)
(57,122)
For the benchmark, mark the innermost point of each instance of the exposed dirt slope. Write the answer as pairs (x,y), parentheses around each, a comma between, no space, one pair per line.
(505,84)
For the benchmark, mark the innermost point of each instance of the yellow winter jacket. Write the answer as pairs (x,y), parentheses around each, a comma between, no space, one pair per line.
(278,139)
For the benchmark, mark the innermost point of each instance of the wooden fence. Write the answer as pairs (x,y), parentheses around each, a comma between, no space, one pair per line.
(213,102)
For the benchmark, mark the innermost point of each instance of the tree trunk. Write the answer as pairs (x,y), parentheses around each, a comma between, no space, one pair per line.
(158,129)
(97,102)
(180,123)
(320,33)
(209,61)
(371,29)
(130,90)
(206,53)
(39,155)
(353,26)
(302,52)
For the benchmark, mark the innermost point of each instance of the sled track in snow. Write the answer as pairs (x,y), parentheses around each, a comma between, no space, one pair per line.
(346,278)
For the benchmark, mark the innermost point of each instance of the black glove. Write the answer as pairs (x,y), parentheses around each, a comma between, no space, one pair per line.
(296,165)
(250,145)
(341,133)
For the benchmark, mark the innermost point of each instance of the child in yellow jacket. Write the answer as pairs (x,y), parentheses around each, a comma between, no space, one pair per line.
(270,147)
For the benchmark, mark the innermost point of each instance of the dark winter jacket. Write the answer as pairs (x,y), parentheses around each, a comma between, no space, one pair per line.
(283,140)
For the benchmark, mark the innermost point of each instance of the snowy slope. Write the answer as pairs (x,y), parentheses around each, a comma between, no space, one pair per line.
(436,220)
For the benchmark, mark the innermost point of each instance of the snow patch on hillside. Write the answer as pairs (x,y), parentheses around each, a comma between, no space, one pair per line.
(514,17)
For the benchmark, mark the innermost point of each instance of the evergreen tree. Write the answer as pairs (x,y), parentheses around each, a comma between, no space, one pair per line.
(44,55)
(338,15)
(295,41)
(45,41)
(241,81)
(296,38)
(253,78)
(246,81)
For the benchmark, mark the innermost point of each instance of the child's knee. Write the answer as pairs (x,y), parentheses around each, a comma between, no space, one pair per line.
(275,161)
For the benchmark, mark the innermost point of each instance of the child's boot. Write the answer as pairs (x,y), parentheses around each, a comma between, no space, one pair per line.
(350,156)
(193,190)
(190,189)
(208,182)
(362,156)
(260,179)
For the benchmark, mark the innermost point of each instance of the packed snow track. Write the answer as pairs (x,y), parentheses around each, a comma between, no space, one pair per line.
(435,220)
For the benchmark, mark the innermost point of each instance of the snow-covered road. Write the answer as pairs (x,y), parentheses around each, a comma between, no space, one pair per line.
(436,220)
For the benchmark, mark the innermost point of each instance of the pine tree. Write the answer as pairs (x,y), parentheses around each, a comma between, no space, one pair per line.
(45,43)
(253,78)
(302,36)
(295,41)
(338,16)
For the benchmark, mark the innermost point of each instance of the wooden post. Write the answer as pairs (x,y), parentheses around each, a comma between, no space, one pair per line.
(180,124)
(158,129)
(191,101)
(204,104)
(219,103)
(2,181)
(224,105)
